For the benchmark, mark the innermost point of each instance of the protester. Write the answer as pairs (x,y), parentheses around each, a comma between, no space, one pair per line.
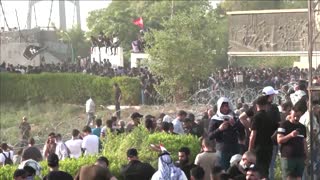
(117,98)
(31,152)
(90,110)
(25,129)
(197,173)
(226,130)
(74,144)
(90,143)
(292,138)
(184,162)
(135,169)
(6,156)
(177,123)
(97,131)
(262,129)
(61,149)
(50,145)
(135,121)
(104,162)
(55,173)
(207,159)
(238,169)
(19,174)
(167,170)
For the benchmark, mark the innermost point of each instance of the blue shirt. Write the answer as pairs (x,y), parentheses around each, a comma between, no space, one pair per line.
(96,131)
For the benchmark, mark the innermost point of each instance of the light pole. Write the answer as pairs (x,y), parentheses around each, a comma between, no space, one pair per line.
(72,53)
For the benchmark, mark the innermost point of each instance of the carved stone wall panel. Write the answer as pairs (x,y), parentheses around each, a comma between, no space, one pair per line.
(269,32)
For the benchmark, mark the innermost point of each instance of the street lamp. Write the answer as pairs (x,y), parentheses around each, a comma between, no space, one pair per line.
(72,53)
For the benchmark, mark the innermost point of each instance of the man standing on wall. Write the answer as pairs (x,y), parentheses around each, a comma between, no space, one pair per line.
(117,98)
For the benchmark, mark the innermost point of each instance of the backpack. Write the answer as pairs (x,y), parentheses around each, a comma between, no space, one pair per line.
(7,160)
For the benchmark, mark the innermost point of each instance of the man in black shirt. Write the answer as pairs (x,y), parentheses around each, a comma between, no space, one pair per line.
(117,98)
(184,164)
(260,141)
(226,130)
(136,169)
(292,138)
(53,163)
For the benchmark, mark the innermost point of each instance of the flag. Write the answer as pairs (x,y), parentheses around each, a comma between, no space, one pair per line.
(138,22)
(31,51)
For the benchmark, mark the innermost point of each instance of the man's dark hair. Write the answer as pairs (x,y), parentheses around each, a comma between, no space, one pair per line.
(30,171)
(4,146)
(182,113)
(52,134)
(300,106)
(197,172)
(186,150)
(98,122)
(206,141)
(53,160)
(109,123)
(31,141)
(262,100)
(286,105)
(115,85)
(86,129)
(59,137)
(191,116)
(132,152)
(75,132)
(165,126)
(103,159)
(148,123)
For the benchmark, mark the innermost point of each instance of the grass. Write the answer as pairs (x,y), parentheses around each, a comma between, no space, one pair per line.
(62,118)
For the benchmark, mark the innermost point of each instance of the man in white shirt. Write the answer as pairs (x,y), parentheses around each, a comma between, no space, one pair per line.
(62,150)
(6,153)
(90,110)
(74,144)
(90,142)
(177,123)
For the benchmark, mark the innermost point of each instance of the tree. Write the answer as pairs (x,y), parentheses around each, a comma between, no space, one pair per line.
(75,36)
(118,16)
(184,51)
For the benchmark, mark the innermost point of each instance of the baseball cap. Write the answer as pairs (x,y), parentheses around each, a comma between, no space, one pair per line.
(268,90)
(132,152)
(136,115)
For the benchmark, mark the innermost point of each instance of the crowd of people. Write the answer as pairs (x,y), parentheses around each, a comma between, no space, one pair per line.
(236,143)
(235,77)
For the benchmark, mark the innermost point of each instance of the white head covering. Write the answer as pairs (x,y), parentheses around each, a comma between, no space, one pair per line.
(219,115)
(296,96)
(32,163)
(166,169)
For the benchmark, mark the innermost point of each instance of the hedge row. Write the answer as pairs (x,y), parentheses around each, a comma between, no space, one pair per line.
(115,147)
(66,88)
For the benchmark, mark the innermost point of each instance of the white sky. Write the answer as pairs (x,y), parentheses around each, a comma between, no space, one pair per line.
(42,9)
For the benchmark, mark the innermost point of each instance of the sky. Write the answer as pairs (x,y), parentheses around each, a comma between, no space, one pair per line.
(42,9)
(42,14)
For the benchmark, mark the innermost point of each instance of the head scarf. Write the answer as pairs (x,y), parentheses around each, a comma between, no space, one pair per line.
(166,169)
(219,115)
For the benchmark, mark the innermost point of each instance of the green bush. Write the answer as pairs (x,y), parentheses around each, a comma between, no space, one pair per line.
(115,148)
(273,62)
(65,88)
